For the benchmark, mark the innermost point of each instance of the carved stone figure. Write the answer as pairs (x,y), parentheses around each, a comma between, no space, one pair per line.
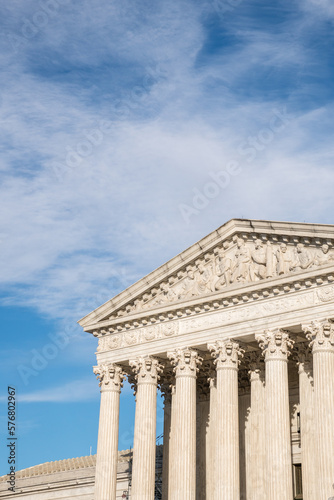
(303,258)
(258,268)
(167,294)
(323,256)
(204,279)
(223,270)
(189,288)
(243,259)
(284,259)
(248,264)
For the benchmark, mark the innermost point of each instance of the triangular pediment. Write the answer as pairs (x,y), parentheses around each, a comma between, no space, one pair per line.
(240,254)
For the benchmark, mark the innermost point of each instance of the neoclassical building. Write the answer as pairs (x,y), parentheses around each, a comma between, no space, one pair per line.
(237,332)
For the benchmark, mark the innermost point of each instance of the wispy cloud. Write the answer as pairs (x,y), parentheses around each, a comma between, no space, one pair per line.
(182,88)
(76,391)
(85,389)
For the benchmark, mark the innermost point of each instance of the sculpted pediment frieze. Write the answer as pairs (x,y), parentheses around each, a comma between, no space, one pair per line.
(229,261)
(233,263)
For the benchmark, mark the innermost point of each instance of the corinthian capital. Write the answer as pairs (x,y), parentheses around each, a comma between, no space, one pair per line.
(186,362)
(320,333)
(166,386)
(255,363)
(146,370)
(303,356)
(275,344)
(110,377)
(226,354)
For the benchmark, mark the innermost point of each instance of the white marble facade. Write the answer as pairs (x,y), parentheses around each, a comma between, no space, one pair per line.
(238,333)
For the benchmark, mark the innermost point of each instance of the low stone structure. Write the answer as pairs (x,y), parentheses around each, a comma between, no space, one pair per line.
(73,478)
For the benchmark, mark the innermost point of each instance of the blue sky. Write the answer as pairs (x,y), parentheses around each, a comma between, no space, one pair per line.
(116,121)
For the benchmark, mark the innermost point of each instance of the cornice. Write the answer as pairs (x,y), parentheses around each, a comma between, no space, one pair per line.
(238,294)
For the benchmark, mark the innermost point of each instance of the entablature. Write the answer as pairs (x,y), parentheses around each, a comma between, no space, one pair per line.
(237,295)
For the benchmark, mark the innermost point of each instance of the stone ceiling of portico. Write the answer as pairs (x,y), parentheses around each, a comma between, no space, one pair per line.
(231,263)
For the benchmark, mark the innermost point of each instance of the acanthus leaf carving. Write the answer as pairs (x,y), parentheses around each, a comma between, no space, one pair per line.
(186,362)
(303,356)
(226,354)
(110,376)
(275,344)
(146,370)
(255,363)
(320,333)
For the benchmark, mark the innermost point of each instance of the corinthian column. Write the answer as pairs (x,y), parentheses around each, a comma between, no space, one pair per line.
(183,468)
(308,443)
(256,488)
(211,438)
(321,335)
(166,390)
(147,372)
(226,358)
(110,381)
(171,448)
(275,345)
(202,417)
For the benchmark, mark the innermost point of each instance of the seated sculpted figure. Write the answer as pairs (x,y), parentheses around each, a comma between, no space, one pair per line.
(324,256)
(303,258)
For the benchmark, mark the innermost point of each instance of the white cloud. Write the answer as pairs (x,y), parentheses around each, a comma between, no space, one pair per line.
(77,391)
(319,8)
(71,237)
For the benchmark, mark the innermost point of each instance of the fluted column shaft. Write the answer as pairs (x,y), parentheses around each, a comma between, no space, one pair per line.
(211,441)
(257,465)
(185,363)
(308,444)
(244,442)
(276,345)
(203,405)
(143,468)
(321,335)
(171,451)
(226,355)
(166,390)
(110,377)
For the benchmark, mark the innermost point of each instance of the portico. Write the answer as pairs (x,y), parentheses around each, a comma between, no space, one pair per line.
(237,332)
